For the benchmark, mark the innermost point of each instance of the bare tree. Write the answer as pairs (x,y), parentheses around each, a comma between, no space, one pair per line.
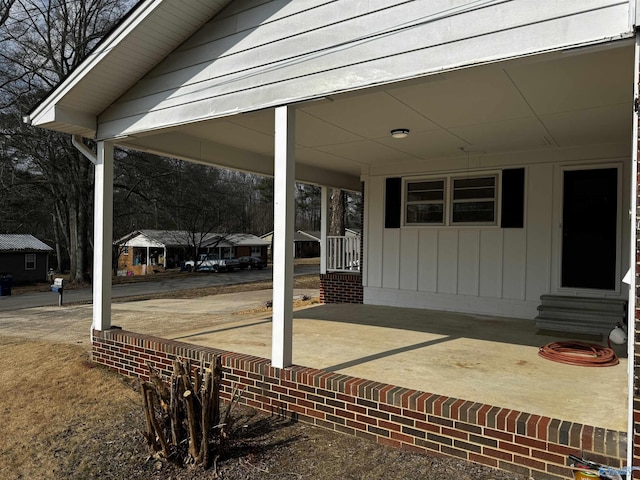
(41,42)
(5,10)
(336,223)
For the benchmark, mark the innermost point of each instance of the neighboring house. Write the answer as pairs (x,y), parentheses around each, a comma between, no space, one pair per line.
(146,251)
(494,142)
(24,257)
(305,244)
(240,245)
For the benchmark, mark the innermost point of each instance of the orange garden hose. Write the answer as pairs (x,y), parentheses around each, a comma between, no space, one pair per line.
(579,353)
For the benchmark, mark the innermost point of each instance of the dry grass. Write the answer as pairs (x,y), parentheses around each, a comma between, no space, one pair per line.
(54,408)
(64,418)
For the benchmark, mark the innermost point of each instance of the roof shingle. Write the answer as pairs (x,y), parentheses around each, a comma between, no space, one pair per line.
(18,242)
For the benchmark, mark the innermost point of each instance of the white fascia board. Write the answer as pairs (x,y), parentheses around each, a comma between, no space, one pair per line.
(123,240)
(46,113)
(309,236)
(66,115)
(55,116)
(143,241)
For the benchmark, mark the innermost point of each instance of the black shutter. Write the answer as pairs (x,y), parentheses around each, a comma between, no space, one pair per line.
(393,203)
(513,198)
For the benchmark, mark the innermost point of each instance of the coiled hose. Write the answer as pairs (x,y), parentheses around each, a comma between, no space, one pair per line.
(579,353)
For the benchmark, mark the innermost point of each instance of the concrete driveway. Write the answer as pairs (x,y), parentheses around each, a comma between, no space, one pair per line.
(85,295)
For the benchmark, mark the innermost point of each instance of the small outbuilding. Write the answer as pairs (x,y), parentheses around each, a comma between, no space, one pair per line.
(24,257)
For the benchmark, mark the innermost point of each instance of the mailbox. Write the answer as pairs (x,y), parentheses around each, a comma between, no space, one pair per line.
(58,285)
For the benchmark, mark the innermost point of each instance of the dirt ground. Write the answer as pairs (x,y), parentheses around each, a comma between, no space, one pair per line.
(66,418)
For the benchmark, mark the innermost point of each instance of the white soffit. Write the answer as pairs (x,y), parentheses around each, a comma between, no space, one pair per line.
(150,32)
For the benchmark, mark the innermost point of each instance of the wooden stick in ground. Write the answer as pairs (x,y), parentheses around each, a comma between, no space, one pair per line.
(206,417)
(151,399)
(217,381)
(174,409)
(161,387)
(149,434)
(191,415)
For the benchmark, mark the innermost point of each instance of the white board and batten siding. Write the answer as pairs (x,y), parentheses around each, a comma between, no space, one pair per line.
(485,269)
(257,54)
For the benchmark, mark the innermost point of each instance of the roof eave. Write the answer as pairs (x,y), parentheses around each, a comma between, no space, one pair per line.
(51,113)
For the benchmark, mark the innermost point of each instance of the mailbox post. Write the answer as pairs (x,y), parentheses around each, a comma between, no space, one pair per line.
(58,286)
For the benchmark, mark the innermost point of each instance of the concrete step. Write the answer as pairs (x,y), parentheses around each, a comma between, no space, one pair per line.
(579,315)
(587,315)
(577,328)
(584,303)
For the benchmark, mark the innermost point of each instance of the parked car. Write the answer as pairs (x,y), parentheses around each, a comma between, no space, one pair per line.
(209,263)
(251,263)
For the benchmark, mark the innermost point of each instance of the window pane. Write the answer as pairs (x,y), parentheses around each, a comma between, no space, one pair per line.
(428,213)
(425,196)
(433,185)
(30,261)
(473,212)
(483,192)
(474,182)
(425,191)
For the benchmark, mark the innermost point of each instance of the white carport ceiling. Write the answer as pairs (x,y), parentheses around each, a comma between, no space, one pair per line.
(548,101)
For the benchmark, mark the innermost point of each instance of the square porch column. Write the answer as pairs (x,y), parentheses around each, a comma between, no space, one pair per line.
(102,237)
(283,237)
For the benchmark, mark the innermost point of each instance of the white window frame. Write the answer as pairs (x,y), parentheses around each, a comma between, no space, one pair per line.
(406,202)
(452,201)
(27,262)
(447,219)
(256,251)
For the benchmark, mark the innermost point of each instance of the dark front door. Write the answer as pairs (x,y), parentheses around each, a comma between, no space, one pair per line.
(589,217)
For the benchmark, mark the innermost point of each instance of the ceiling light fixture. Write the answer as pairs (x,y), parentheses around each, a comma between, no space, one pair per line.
(400,133)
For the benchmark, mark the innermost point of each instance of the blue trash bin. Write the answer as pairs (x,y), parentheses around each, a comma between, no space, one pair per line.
(5,284)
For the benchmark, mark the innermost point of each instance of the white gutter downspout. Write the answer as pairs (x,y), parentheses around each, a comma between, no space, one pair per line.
(77,142)
(631,312)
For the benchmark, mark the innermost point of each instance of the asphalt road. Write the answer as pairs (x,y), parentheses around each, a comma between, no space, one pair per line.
(85,295)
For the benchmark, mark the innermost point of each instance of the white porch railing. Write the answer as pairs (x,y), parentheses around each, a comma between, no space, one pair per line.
(343,254)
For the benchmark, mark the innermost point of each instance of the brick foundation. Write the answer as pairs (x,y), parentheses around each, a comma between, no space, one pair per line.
(421,422)
(341,288)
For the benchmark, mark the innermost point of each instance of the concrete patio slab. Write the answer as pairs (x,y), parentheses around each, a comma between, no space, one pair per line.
(486,359)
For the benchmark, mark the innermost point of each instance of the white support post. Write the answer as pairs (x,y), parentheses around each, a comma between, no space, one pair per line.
(633,267)
(283,193)
(102,237)
(324,227)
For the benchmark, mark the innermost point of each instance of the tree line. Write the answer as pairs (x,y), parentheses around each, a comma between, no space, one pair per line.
(46,185)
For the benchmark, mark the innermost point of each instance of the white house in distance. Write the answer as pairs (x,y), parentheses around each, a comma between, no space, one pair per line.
(145,251)
(495,143)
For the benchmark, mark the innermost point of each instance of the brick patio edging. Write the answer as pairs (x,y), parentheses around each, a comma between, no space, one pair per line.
(532,445)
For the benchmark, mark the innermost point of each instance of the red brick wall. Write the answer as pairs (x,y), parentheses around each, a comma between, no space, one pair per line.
(421,422)
(341,288)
